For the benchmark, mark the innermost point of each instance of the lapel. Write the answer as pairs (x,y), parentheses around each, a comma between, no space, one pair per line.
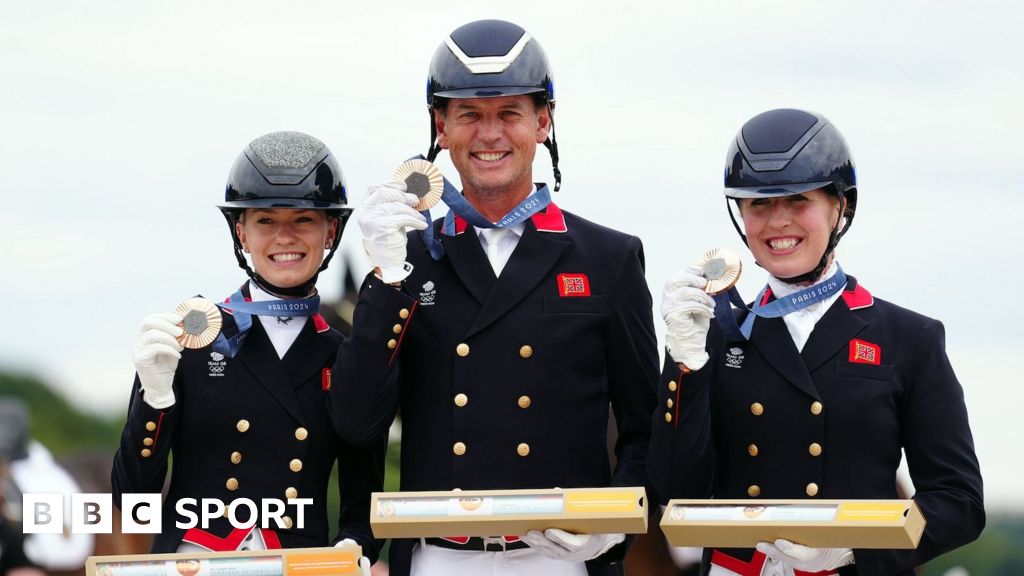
(308,354)
(833,332)
(772,338)
(529,264)
(260,358)
(470,263)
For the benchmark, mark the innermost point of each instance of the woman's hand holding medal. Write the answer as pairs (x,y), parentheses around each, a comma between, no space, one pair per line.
(687,310)
(157,352)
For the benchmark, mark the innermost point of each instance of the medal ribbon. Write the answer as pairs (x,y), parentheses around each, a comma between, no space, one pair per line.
(775,309)
(243,310)
(458,205)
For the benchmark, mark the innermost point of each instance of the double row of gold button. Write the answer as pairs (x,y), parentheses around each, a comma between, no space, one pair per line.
(460,400)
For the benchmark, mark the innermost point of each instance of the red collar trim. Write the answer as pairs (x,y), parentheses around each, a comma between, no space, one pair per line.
(320,324)
(855,299)
(858,298)
(550,219)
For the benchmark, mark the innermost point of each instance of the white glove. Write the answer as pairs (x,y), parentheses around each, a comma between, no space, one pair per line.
(156,358)
(806,558)
(364,562)
(386,213)
(561,545)
(687,311)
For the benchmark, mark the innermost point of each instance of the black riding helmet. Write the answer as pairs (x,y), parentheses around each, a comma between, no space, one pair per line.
(286,170)
(785,152)
(487,59)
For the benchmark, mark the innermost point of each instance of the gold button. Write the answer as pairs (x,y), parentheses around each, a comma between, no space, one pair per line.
(403,313)
(236,457)
(462,349)
(301,433)
(226,511)
(146,452)
(668,416)
(752,450)
(524,401)
(397,328)
(232,484)
(816,408)
(150,426)
(812,489)
(756,409)
(243,425)
(814,449)
(672,385)
(392,344)
(461,400)
(291,493)
(459,448)
(295,465)
(523,449)
(526,351)
(669,403)
(287,522)
(754,491)
(147,441)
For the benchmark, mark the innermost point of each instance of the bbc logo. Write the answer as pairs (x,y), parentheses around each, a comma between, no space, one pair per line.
(43,513)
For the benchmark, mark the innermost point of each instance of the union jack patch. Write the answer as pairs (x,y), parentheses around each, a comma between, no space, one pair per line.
(862,352)
(570,285)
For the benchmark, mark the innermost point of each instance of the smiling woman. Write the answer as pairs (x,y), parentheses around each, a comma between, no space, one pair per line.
(823,386)
(249,420)
(286,245)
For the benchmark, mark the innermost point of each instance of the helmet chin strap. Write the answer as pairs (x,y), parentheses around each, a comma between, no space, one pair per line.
(549,143)
(308,287)
(826,257)
(833,240)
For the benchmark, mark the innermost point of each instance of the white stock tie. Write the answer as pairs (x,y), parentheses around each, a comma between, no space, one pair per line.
(494,237)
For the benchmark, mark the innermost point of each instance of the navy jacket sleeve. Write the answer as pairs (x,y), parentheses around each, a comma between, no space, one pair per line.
(632,368)
(140,463)
(365,398)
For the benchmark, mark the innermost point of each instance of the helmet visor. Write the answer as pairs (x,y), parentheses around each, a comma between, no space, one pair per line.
(774,190)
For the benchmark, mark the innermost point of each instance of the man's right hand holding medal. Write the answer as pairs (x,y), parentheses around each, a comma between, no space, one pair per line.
(157,352)
(386,212)
(687,310)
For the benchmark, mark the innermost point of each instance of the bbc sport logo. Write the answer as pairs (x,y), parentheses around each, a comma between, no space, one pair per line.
(43,513)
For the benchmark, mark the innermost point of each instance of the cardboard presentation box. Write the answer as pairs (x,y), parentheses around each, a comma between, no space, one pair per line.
(885,524)
(290,562)
(508,512)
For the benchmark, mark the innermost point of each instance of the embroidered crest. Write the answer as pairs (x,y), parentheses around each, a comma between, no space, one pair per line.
(570,285)
(862,352)
(216,364)
(428,294)
(734,357)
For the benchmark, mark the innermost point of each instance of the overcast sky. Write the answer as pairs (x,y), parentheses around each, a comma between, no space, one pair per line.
(120,120)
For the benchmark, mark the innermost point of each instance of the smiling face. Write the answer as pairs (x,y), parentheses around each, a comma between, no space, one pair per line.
(788,234)
(492,142)
(286,244)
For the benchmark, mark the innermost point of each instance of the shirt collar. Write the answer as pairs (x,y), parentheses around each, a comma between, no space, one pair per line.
(781,289)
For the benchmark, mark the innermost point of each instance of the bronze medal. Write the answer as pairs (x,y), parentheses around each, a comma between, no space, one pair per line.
(422,179)
(200,321)
(722,268)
